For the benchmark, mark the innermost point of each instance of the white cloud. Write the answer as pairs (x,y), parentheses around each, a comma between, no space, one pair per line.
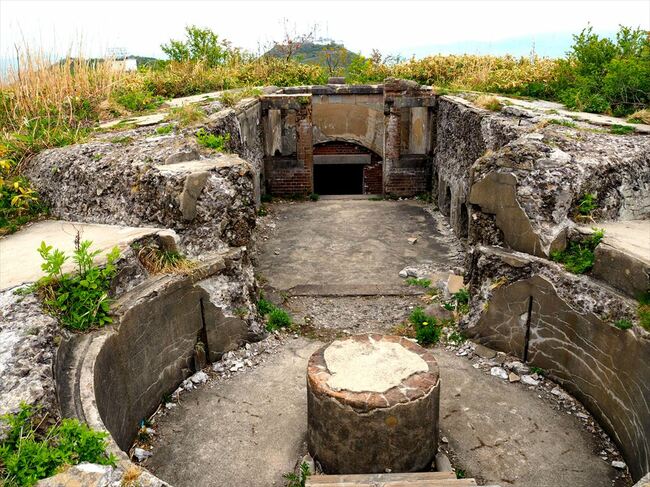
(391,26)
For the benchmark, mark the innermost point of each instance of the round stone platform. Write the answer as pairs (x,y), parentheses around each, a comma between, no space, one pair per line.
(373,403)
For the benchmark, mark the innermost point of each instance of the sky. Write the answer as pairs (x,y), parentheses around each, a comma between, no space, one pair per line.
(394,27)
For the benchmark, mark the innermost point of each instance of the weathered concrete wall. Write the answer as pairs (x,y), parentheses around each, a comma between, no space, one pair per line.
(209,199)
(463,133)
(533,184)
(150,348)
(564,324)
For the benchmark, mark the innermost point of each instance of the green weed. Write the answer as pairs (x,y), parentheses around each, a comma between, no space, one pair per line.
(298,480)
(412,281)
(212,141)
(623,324)
(579,256)
(587,204)
(28,454)
(427,328)
(621,129)
(80,301)
(564,123)
(314,197)
(278,318)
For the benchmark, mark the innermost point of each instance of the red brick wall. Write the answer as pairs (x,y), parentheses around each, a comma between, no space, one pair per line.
(373,179)
(407,182)
(288,182)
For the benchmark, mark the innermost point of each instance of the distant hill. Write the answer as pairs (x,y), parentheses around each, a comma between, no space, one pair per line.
(316,53)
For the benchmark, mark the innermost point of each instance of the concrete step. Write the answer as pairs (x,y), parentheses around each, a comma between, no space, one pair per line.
(416,479)
(622,259)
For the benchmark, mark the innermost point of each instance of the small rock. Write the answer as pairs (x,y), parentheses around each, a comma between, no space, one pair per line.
(403,274)
(236,366)
(618,464)
(170,405)
(218,367)
(412,240)
(442,463)
(444,439)
(484,352)
(529,380)
(582,415)
(199,378)
(141,454)
(499,372)
(512,377)
(518,367)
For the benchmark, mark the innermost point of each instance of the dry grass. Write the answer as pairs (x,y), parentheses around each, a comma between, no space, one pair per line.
(488,102)
(158,261)
(641,116)
(131,476)
(187,114)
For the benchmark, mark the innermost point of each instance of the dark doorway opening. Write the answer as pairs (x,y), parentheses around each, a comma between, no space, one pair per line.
(338,179)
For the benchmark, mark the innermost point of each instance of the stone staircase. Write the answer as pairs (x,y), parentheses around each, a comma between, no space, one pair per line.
(417,479)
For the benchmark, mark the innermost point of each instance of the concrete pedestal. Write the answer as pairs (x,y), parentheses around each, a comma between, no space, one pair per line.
(373,405)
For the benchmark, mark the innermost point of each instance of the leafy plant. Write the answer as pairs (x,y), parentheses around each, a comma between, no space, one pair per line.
(314,196)
(278,318)
(461,296)
(298,480)
(412,281)
(579,256)
(28,454)
(80,301)
(212,141)
(537,370)
(564,123)
(19,203)
(587,204)
(427,328)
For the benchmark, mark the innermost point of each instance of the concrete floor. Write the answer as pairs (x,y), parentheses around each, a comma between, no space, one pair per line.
(251,429)
(348,242)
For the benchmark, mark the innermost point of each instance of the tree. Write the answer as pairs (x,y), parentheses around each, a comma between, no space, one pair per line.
(200,45)
(292,41)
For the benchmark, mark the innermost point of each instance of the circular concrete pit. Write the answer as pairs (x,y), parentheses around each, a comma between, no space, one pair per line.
(373,403)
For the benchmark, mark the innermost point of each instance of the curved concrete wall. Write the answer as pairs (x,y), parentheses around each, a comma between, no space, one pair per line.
(553,320)
(151,348)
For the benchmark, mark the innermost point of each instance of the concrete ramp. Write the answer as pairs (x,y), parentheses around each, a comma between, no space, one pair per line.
(20,261)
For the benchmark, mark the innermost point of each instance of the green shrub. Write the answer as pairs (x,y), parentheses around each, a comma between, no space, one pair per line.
(264,307)
(579,256)
(295,480)
(212,141)
(427,328)
(80,301)
(623,324)
(412,281)
(621,129)
(462,296)
(278,318)
(603,75)
(314,197)
(28,454)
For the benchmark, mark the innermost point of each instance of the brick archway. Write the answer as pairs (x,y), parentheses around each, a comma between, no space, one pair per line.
(342,167)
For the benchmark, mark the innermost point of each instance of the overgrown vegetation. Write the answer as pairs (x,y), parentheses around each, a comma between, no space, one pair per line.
(587,204)
(19,203)
(52,104)
(80,301)
(212,141)
(276,317)
(623,324)
(29,451)
(488,102)
(186,115)
(427,328)
(579,255)
(231,98)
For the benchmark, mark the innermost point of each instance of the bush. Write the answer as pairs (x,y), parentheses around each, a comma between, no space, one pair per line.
(412,281)
(278,318)
(579,256)
(602,75)
(79,301)
(587,204)
(623,324)
(212,141)
(264,307)
(28,454)
(136,100)
(427,329)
